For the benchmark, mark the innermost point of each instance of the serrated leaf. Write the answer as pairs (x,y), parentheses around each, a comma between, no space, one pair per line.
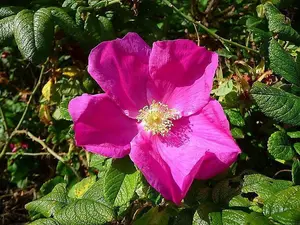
(6,29)
(84,211)
(279,25)
(48,221)
(280,147)
(51,203)
(34,34)
(283,64)
(120,182)
(80,188)
(9,11)
(276,103)
(263,186)
(284,206)
(296,172)
(155,216)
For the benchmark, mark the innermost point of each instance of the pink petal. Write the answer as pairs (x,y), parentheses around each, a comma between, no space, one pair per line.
(120,67)
(182,75)
(199,146)
(146,157)
(101,126)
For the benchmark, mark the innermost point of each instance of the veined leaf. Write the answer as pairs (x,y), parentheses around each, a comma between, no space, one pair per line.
(120,182)
(278,24)
(153,217)
(6,29)
(284,206)
(50,203)
(34,33)
(263,186)
(48,221)
(9,11)
(84,211)
(280,147)
(276,103)
(65,22)
(283,64)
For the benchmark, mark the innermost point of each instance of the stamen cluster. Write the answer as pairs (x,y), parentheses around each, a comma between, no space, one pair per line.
(157,118)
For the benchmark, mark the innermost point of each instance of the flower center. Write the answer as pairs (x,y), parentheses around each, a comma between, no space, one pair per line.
(157,118)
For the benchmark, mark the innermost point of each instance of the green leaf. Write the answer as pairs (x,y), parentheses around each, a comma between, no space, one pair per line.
(233,217)
(280,147)
(155,216)
(226,189)
(80,188)
(239,201)
(95,192)
(297,147)
(235,117)
(106,27)
(255,218)
(215,218)
(6,29)
(84,211)
(120,182)
(276,103)
(284,206)
(9,11)
(198,221)
(283,64)
(263,186)
(48,221)
(62,111)
(34,34)
(69,26)
(296,172)
(225,88)
(97,161)
(237,133)
(294,134)
(92,26)
(51,203)
(279,25)
(184,217)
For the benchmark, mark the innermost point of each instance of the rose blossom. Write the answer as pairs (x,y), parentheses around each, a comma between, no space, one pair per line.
(156,109)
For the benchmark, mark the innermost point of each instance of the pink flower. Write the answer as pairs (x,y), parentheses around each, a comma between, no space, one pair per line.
(157,109)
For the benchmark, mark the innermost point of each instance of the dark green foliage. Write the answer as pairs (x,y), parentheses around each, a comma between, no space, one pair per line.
(257,84)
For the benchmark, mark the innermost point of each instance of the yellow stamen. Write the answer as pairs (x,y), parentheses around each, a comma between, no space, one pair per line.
(157,118)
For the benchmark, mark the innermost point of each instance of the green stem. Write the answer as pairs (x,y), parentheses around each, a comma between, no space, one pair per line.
(211,33)
(4,149)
